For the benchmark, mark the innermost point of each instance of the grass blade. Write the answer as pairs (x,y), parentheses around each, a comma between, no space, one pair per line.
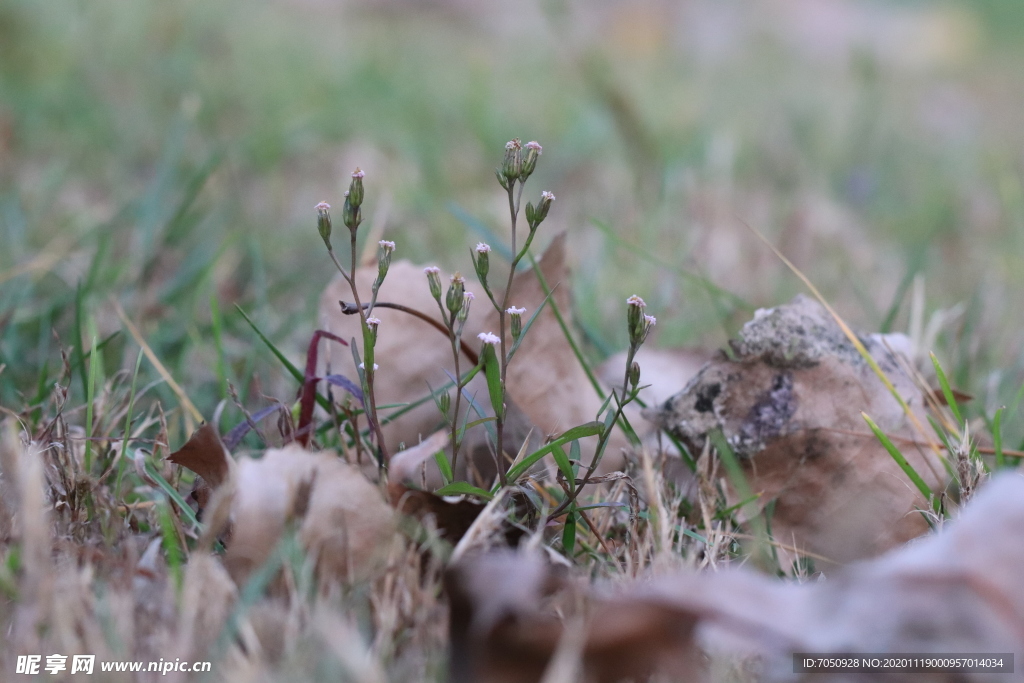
(584,430)
(90,395)
(947,391)
(907,468)
(127,428)
(462,488)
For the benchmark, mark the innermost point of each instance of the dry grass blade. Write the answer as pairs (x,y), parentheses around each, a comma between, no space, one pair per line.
(183,398)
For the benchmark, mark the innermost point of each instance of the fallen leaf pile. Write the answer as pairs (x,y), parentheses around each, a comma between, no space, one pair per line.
(788,401)
(516,619)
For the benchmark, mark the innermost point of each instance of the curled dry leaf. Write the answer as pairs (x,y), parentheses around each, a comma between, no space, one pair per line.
(341,517)
(957,591)
(789,404)
(204,453)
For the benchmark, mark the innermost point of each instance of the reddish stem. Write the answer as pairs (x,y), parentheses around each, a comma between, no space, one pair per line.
(308,398)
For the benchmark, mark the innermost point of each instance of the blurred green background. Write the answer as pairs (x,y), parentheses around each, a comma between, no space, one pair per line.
(169,155)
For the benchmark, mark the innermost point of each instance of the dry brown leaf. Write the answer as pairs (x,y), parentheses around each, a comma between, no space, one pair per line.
(342,517)
(956,591)
(204,454)
(789,404)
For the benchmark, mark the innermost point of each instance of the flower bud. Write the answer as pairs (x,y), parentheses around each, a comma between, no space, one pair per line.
(512,166)
(355,190)
(455,297)
(351,214)
(373,324)
(434,280)
(482,261)
(445,402)
(635,319)
(463,316)
(533,150)
(535,215)
(516,318)
(634,375)
(546,199)
(387,248)
(323,222)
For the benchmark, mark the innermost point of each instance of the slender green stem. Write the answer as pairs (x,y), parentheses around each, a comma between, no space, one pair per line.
(605,435)
(369,402)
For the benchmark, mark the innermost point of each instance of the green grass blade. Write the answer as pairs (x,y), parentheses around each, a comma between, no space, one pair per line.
(763,549)
(217,325)
(79,354)
(565,328)
(584,430)
(947,391)
(569,533)
(90,395)
(562,460)
(173,494)
(907,468)
(174,553)
(443,464)
(294,371)
(462,488)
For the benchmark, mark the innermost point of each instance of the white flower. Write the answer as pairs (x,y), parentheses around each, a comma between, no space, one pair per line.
(458,279)
(514,144)
(489,338)
(650,320)
(468,296)
(482,248)
(432,270)
(358,173)
(323,206)
(387,245)
(373,322)
(636,301)
(512,310)
(533,144)
(547,196)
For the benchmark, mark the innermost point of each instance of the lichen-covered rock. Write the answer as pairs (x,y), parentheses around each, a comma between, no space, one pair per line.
(788,400)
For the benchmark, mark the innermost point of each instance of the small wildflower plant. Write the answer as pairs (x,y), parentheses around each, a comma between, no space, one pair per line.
(497,346)
(367,368)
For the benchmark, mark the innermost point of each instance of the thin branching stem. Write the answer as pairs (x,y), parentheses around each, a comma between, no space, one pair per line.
(369,402)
